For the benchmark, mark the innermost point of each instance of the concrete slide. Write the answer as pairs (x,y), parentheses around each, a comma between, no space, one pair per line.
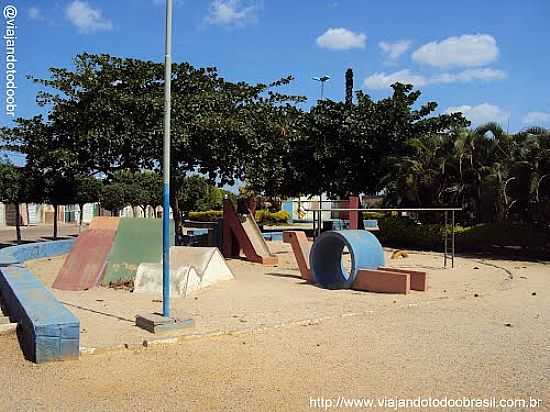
(255,235)
(191,268)
(244,235)
(86,262)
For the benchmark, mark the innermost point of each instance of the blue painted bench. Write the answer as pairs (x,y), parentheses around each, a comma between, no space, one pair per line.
(49,331)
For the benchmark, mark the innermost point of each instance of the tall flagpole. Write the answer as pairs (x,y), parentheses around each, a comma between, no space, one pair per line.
(166,164)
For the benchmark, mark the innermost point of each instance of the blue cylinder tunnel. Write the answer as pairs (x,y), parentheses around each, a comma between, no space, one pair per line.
(325,258)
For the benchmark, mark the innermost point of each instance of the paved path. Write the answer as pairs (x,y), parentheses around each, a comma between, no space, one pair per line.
(35,233)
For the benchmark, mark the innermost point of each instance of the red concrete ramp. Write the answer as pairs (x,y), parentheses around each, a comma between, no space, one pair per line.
(86,263)
(105,223)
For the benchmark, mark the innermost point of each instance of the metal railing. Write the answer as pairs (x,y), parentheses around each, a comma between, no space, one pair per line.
(317,223)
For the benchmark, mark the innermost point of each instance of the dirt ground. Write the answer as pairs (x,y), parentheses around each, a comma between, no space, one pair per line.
(481,330)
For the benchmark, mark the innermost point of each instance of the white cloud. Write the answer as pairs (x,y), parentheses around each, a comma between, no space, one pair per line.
(482,113)
(382,80)
(393,50)
(468,50)
(231,13)
(85,18)
(35,14)
(486,74)
(536,118)
(339,38)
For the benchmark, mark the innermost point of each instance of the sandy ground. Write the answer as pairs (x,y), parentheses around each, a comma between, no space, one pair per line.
(262,297)
(481,330)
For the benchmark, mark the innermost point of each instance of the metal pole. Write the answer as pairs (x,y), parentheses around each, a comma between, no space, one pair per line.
(320,214)
(166,164)
(322,88)
(445,251)
(314,217)
(453,239)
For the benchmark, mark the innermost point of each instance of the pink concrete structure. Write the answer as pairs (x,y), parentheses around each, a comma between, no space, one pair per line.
(382,281)
(244,235)
(301,248)
(419,280)
(353,203)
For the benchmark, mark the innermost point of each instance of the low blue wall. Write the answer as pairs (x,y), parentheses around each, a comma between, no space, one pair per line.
(49,331)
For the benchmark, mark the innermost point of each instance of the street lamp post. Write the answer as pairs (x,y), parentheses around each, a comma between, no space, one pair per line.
(154,322)
(166,164)
(322,80)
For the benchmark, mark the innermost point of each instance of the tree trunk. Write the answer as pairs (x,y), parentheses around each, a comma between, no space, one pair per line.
(81,219)
(177,217)
(55,208)
(17,223)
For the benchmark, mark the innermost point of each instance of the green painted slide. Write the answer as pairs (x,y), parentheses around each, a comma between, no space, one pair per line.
(137,240)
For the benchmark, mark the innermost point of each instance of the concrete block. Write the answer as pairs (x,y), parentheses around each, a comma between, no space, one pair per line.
(156,323)
(382,281)
(419,279)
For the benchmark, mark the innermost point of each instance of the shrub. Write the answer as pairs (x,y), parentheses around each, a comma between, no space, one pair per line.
(374,215)
(265,217)
(207,216)
(403,232)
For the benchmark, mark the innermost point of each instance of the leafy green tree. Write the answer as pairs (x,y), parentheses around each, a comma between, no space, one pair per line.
(494,176)
(105,116)
(87,190)
(342,149)
(58,190)
(114,197)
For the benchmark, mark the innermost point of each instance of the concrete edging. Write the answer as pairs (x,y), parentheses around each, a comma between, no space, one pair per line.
(49,331)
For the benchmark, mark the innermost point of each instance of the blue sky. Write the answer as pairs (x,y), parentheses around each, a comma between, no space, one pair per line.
(489,59)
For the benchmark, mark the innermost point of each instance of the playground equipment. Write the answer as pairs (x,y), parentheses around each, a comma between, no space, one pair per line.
(191,268)
(86,263)
(367,271)
(241,233)
(109,252)
(116,250)
(326,257)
